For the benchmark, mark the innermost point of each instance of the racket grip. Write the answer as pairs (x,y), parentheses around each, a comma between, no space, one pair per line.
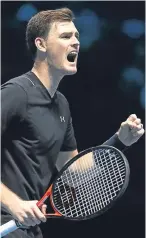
(9,227)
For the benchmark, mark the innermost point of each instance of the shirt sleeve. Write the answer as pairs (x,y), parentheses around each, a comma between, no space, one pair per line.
(115,142)
(13,104)
(69,143)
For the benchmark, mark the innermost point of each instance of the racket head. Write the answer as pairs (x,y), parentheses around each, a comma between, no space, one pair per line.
(72,188)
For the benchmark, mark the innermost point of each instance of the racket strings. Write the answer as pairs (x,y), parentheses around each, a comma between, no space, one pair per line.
(103,194)
(112,170)
(89,184)
(79,178)
(84,194)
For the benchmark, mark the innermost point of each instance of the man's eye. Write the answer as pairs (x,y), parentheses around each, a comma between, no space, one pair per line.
(66,37)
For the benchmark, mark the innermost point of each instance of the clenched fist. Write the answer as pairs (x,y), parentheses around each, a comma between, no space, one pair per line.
(130,130)
(27,213)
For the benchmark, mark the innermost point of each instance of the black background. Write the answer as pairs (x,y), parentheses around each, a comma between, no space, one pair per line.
(97,103)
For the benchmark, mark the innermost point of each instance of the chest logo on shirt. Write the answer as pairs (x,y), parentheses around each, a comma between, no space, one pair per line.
(62,119)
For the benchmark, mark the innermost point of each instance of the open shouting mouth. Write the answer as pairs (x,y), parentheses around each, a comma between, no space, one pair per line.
(72,56)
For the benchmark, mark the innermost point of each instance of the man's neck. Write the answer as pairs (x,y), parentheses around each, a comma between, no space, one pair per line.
(50,78)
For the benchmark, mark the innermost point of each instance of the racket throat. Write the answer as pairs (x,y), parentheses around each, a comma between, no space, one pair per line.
(55,215)
(46,195)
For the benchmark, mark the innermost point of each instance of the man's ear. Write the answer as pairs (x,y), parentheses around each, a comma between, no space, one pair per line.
(40,44)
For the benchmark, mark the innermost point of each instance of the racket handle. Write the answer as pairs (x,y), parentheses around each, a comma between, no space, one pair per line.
(9,227)
(14,225)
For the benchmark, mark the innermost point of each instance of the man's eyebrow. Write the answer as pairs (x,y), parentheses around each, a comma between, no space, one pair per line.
(70,32)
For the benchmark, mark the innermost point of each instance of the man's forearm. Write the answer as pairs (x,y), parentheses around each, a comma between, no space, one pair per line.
(115,142)
(25,212)
(8,198)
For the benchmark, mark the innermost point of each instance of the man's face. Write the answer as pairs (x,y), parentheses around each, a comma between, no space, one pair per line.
(62,47)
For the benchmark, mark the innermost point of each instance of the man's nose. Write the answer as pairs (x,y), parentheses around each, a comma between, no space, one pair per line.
(76,43)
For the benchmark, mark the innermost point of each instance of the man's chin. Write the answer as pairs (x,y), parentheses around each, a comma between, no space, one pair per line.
(71,71)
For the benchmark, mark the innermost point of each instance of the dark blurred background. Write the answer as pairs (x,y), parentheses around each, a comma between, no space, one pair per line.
(108,87)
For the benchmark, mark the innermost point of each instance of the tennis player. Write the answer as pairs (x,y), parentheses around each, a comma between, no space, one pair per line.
(36,123)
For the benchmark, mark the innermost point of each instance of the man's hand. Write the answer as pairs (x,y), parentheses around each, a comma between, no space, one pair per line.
(131,130)
(27,212)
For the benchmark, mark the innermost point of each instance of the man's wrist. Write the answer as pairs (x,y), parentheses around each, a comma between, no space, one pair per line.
(8,198)
(120,143)
(115,142)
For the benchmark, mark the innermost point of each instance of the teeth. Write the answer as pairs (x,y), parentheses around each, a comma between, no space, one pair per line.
(73,52)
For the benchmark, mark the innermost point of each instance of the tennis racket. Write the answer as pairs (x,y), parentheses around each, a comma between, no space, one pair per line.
(86,187)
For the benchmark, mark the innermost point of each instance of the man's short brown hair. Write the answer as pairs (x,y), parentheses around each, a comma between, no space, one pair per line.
(40,24)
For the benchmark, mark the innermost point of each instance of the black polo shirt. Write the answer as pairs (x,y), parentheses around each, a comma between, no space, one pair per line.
(35,128)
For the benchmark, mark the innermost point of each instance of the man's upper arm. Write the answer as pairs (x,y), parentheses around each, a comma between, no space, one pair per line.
(13,103)
(64,157)
(69,145)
